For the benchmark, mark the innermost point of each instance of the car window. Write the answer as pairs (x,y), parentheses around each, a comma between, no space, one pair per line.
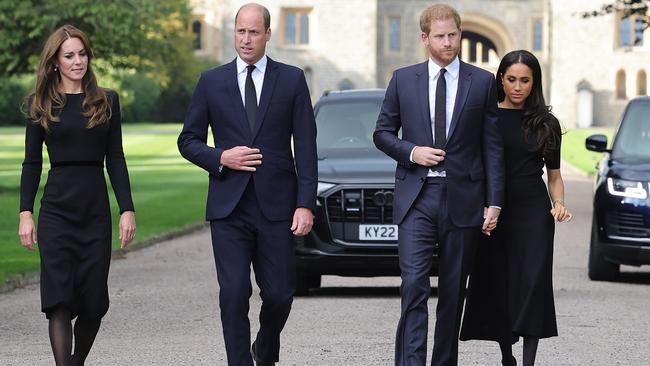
(347,124)
(633,137)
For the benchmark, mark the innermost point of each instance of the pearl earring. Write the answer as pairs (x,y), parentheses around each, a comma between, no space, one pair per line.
(56,68)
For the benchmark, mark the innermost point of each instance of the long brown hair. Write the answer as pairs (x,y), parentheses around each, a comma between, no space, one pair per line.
(541,127)
(47,99)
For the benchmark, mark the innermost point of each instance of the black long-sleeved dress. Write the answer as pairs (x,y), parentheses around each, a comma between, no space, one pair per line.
(74,223)
(511,288)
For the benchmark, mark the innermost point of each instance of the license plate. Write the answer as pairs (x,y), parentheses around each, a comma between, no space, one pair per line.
(377,232)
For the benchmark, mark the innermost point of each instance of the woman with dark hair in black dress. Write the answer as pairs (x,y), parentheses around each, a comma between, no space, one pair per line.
(81,125)
(510,293)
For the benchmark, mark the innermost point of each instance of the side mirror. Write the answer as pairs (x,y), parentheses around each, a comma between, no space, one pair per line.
(597,143)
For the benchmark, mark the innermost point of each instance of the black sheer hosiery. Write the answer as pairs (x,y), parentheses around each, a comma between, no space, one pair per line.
(60,329)
(507,359)
(85,331)
(530,350)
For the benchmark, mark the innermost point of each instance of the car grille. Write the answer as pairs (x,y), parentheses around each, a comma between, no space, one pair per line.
(362,205)
(627,224)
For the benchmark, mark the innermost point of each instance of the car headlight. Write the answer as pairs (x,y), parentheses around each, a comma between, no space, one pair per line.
(323,186)
(626,188)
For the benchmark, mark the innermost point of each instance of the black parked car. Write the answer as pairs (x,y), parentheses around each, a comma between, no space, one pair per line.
(620,232)
(353,233)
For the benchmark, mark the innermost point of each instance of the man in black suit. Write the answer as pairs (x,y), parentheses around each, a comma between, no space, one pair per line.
(259,195)
(448,183)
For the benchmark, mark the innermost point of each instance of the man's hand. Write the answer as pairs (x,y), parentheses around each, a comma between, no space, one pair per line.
(491,216)
(428,156)
(303,220)
(241,158)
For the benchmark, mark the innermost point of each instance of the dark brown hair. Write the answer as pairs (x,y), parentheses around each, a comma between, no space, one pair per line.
(47,98)
(541,127)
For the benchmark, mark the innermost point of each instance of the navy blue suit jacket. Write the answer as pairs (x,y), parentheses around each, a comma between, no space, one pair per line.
(285,113)
(474,153)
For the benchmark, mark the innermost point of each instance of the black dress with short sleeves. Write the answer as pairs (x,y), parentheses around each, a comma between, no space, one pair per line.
(74,222)
(510,292)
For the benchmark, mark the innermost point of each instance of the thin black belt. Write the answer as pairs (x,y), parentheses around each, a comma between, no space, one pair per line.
(56,164)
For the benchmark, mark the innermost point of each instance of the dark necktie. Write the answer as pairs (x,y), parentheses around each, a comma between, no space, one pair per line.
(250,98)
(440,117)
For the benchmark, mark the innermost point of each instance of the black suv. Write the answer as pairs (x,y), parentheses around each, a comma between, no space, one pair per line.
(620,232)
(353,233)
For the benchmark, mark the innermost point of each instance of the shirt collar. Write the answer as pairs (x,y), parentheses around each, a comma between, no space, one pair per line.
(260,65)
(452,69)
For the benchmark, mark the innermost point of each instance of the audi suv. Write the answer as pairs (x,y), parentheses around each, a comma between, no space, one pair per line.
(620,232)
(353,233)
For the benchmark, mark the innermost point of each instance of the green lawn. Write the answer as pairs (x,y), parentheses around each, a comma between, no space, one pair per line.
(574,151)
(169,193)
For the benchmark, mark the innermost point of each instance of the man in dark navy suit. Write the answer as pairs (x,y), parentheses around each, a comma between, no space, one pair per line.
(448,183)
(259,195)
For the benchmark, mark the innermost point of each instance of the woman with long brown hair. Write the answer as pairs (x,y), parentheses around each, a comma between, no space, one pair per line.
(80,123)
(510,292)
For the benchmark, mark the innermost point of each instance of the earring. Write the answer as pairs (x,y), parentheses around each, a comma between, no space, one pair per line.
(56,69)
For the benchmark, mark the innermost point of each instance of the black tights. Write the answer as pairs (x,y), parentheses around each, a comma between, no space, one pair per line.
(530,351)
(60,329)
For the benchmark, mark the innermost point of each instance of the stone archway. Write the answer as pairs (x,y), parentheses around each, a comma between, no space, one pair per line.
(485,41)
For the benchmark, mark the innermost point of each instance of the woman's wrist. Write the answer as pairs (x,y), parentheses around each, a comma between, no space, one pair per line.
(558,201)
(25,214)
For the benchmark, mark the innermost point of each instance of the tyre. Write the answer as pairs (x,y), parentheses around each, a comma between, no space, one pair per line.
(306,281)
(599,268)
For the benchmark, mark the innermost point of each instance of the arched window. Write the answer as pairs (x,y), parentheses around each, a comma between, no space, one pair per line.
(476,48)
(196,29)
(620,85)
(641,83)
(345,84)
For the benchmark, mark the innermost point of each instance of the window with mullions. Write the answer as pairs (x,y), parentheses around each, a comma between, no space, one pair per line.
(630,30)
(296,26)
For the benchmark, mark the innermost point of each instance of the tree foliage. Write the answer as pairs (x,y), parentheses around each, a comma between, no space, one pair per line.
(625,8)
(127,33)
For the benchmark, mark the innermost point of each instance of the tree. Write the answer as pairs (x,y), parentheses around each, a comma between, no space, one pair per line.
(125,33)
(626,8)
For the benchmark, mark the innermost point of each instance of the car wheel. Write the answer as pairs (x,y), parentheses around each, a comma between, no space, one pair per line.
(305,282)
(599,268)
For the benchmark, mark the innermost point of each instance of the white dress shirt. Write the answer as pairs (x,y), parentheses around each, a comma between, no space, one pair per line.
(257,75)
(451,80)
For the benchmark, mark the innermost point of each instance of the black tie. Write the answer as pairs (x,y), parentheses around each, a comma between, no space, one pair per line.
(250,98)
(440,117)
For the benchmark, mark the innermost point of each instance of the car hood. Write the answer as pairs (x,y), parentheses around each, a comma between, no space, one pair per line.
(630,168)
(358,165)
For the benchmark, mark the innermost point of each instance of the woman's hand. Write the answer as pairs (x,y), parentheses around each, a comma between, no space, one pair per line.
(127,228)
(560,213)
(27,230)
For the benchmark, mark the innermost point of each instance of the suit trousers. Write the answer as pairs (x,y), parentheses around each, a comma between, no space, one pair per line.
(243,238)
(426,224)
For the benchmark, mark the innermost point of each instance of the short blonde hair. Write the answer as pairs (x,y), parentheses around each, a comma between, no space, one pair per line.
(438,12)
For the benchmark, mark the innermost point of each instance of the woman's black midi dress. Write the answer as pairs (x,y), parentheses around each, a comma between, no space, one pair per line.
(74,222)
(511,290)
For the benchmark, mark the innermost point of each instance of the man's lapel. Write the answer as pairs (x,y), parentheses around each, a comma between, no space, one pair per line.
(422,73)
(235,94)
(270,77)
(464,84)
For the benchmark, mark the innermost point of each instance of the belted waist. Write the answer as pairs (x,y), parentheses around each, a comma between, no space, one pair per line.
(56,164)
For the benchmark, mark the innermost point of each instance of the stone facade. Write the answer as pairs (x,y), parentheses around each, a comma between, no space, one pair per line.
(358,44)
